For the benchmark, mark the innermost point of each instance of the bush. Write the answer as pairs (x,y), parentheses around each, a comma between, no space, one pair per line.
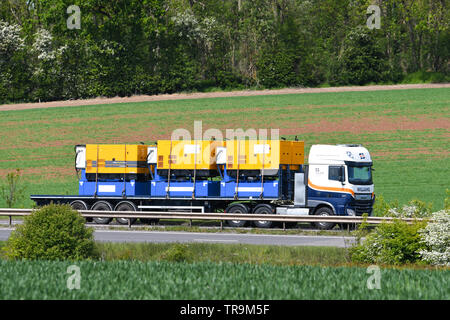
(177,253)
(55,232)
(414,209)
(391,243)
(436,236)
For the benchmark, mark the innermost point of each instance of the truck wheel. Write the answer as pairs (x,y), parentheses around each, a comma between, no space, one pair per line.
(324,211)
(103,206)
(125,206)
(80,205)
(237,208)
(263,209)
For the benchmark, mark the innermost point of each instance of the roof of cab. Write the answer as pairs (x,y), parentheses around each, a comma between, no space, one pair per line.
(338,154)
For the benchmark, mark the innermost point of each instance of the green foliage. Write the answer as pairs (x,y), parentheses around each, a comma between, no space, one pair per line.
(54,232)
(363,60)
(177,253)
(381,206)
(276,68)
(447,200)
(233,253)
(425,77)
(127,47)
(12,192)
(392,243)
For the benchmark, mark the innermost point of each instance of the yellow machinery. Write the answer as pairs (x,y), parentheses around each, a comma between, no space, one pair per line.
(187,155)
(194,155)
(116,159)
(239,154)
(269,154)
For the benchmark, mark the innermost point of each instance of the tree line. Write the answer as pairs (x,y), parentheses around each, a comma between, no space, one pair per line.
(127,47)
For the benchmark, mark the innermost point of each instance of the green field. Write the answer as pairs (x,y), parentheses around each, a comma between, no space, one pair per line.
(407,132)
(164,280)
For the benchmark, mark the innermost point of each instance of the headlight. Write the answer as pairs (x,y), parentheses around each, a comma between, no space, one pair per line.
(351,212)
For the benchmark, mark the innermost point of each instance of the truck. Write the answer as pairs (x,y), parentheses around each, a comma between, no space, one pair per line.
(234,176)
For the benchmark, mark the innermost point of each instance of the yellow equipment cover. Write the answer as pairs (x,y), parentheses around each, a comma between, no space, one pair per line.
(267,154)
(252,154)
(187,154)
(116,159)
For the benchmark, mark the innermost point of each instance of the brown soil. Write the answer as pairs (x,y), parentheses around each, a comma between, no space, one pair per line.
(45,171)
(179,96)
(359,125)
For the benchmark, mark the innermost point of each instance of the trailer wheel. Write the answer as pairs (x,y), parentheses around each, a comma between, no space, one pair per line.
(103,206)
(237,208)
(80,205)
(125,206)
(324,211)
(263,209)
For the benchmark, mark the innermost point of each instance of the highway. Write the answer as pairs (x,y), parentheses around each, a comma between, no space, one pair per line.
(232,238)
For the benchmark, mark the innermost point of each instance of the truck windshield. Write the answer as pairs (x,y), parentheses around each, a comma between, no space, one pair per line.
(359,174)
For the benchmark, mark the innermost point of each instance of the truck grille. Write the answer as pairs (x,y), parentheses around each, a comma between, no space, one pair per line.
(362,207)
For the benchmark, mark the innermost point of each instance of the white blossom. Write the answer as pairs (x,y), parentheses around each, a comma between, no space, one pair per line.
(43,45)
(407,211)
(10,40)
(437,236)
(190,27)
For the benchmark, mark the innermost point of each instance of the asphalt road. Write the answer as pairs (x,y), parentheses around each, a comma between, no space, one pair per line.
(163,236)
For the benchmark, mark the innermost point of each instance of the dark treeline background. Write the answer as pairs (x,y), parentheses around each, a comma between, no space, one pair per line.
(127,47)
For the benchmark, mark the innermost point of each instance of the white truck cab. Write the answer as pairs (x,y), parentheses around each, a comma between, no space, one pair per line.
(340,179)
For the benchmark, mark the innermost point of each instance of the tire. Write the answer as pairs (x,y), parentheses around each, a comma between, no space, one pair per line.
(125,206)
(237,208)
(263,209)
(324,211)
(103,206)
(80,205)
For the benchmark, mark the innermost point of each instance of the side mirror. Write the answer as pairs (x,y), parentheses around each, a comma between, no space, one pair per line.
(342,175)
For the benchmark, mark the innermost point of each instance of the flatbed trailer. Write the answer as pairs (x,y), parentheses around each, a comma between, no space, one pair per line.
(337,181)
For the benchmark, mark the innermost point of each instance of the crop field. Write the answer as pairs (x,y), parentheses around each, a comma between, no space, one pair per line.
(164,280)
(407,132)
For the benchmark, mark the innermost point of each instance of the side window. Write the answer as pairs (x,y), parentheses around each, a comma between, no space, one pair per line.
(334,173)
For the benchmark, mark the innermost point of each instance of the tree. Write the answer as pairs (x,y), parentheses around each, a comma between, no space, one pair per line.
(12,192)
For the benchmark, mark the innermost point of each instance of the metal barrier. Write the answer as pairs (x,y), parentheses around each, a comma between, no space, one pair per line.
(215,216)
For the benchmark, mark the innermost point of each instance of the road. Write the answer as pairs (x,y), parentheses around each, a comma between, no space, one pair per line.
(164,236)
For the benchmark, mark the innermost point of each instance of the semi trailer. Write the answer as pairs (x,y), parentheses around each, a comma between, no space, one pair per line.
(234,176)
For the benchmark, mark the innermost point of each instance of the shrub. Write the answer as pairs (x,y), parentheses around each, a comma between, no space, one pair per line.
(55,232)
(436,236)
(391,243)
(381,207)
(414,209)
(177,253)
